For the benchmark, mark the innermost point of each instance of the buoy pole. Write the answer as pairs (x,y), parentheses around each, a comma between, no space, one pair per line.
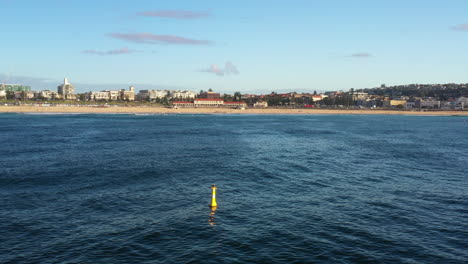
(213,196)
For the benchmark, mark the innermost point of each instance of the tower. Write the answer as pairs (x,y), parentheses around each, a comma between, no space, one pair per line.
(66,90)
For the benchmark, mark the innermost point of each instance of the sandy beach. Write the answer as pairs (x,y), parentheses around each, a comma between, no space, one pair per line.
(162,110)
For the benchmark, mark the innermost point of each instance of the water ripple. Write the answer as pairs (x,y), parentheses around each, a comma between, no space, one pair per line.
(292,189)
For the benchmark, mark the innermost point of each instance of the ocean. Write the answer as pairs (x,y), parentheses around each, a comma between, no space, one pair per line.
(90,188)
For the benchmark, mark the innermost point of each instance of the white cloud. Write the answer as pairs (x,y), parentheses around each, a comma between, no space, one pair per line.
(228,69)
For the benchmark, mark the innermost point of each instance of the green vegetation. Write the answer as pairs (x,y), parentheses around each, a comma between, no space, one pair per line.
(345,99)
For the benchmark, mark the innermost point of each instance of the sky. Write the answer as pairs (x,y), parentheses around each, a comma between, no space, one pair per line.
(251,46)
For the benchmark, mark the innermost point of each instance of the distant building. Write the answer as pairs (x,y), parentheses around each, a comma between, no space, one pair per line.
(153,95)
(428,103)
(97,96)
(316,98)
(112,95)
(48,95)
(463,101)
(24,95)
(66,90)
(410,105)
(261,104)
(208,102)
(183,94)
(396,103)
(128,95)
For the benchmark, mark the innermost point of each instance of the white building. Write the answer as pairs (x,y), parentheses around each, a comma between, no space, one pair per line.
(261,104)
(25,95)
(152,95)
(183,94)
(410,105)
(205,102)
(317,98)
(66,90)
(158,94)
(113,95)
(428,103)
(48,95)
(128,95)
(98,96)
(463,101)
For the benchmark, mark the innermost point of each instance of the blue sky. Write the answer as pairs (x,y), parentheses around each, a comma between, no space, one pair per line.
(247,46)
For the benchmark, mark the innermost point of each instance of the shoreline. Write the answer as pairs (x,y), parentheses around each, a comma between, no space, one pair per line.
(163,110)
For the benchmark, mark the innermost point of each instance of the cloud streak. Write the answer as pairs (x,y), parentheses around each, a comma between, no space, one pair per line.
(38,84)
(111,52)
(149,38)
(176,14)
(228,69)
(360,55)
(461,27)
(35,82)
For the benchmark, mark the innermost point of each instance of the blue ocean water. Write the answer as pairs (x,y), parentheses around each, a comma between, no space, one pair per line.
(291,189)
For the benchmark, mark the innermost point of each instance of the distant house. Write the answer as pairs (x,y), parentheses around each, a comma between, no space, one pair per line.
(396,103)
(463,101)
(410,105)
(428,103)
(183,94)
(316,98)
(98,96)
(48,95)
(261,104)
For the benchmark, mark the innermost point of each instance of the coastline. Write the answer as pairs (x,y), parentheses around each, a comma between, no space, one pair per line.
(163,110)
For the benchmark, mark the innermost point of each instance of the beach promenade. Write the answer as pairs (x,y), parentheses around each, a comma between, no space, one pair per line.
(163,110)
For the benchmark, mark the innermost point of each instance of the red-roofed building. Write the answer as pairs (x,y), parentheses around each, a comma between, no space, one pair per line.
(207,102)
(316,98)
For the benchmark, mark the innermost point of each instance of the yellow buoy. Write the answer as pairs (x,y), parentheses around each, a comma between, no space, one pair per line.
(213,196)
